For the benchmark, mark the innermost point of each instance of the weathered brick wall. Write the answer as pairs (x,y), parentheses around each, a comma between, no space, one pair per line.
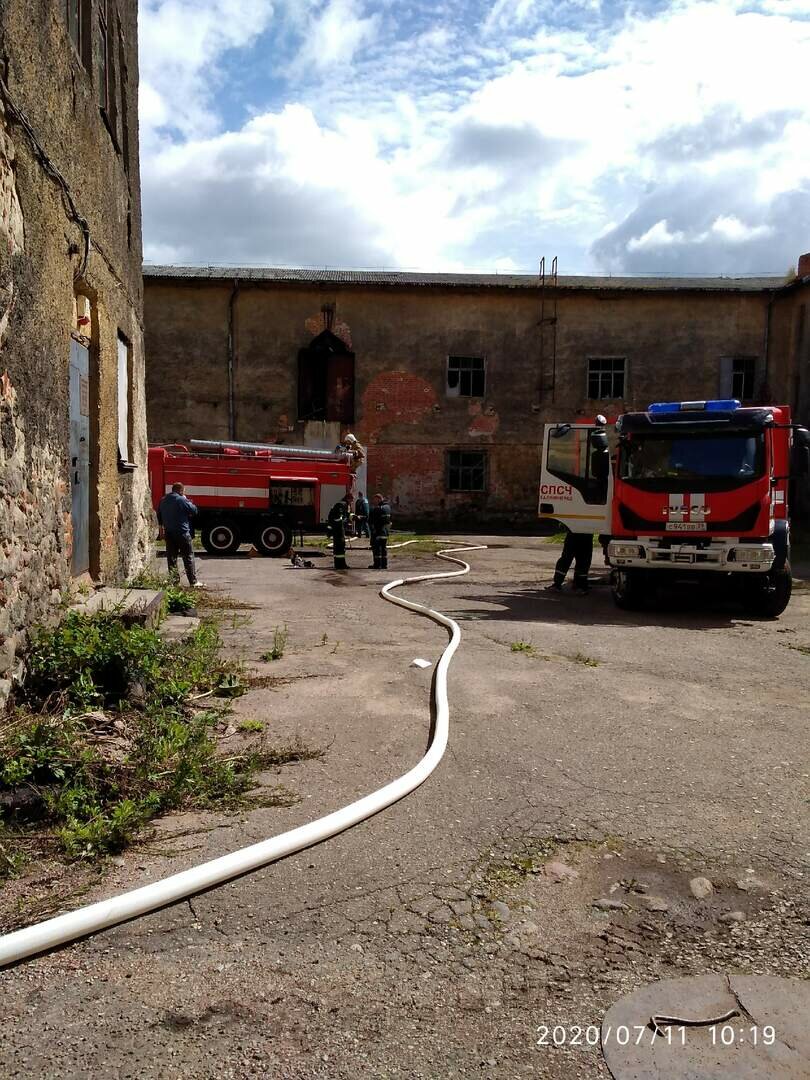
(401,336)
(41,249)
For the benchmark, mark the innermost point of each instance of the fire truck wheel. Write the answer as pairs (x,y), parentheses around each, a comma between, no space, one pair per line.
(274,540)
(627,588)
(221,539)
(772,596)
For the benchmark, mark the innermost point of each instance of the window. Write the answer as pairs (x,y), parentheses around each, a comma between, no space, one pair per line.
(466,376)
(103,58)
(743,373)
(326,380)
(606,377)
(466,470)
(572,457)
(78,22)
(124,400)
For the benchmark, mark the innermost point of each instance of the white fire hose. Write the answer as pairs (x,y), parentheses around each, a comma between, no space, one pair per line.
(129,905)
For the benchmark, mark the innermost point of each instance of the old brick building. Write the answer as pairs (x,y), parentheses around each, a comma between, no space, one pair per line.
(73,478)
(450,378)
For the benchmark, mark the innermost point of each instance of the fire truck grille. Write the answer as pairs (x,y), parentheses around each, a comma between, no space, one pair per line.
(744,522)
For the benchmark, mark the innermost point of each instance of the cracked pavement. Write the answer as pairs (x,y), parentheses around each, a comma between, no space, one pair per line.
(541,873)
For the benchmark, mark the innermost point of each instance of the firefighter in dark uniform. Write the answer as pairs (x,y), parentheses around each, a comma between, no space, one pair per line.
(577,549)
(379,524)
(338,519)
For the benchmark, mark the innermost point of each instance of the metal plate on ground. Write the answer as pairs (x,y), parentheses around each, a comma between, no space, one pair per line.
(711,1027)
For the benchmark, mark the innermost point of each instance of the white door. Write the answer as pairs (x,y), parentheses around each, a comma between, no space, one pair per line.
(575,487)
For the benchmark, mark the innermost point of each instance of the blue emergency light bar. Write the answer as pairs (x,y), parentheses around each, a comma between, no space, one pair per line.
(721,405)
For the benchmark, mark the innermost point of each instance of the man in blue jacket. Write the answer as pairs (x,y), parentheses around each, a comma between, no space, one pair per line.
(175,516)
(361,515)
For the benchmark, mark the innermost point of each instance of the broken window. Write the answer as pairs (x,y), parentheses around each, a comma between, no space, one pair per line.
(326,380)
(78,22)
(743,374)
(466,470)
(466,376)
(103,54)
(606,377)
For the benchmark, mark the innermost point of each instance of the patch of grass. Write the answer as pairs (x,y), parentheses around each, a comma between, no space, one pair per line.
(105,738)
(280,636)
(559,538)
(177,600)
(250,726)
(586,661)
(212,602)
(511,870)
(523,647)
(289,754)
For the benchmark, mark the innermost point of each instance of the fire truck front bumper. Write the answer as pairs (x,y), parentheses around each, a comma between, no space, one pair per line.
(727,556)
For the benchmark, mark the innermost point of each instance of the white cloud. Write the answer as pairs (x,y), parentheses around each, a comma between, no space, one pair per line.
(657,236)
(336,34)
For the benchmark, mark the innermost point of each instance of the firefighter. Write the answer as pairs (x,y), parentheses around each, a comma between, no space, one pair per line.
(379,523)
(577,549)
(175,516)
(361,515)
(338,519)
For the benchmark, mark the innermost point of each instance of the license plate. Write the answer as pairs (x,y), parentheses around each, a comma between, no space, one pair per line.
(685,526)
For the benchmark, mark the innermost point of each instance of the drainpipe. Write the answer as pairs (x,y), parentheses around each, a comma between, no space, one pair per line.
(232,358)
(767,344)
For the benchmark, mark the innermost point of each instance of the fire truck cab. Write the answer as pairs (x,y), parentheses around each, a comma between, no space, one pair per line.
(680,490)
(252,492)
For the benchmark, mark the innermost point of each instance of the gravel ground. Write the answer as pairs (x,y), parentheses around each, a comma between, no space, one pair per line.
(547,868)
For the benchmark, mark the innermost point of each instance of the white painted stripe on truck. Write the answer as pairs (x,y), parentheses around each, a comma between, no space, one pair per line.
(224,492)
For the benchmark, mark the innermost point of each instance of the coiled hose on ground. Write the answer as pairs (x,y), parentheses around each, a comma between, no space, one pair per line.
(130,905)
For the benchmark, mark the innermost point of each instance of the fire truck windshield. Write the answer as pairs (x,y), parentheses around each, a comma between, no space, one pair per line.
(678,462)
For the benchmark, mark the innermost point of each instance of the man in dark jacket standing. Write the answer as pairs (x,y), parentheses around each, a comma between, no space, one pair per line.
(175,515)
(361,515)
(577,549)
(379,523)
(338,518)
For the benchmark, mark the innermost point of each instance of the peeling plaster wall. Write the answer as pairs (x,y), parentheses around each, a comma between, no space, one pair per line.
(40,252)
(401,337)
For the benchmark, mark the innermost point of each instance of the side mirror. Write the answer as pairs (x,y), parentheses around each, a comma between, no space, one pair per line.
(560,430)
(800,457)
(600,464)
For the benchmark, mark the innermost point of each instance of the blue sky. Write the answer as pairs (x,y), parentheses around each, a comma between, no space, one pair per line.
(644,137)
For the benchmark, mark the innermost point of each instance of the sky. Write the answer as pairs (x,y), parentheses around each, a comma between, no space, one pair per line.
(622,136)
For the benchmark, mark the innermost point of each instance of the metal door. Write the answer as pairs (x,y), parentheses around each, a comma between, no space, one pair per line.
(80,456)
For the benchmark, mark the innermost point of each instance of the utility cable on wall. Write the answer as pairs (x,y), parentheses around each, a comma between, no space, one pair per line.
(17,115)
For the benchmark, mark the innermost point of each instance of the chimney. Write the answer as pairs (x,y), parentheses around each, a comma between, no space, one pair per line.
(803,269)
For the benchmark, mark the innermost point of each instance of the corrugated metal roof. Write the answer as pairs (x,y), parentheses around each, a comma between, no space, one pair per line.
(475,281)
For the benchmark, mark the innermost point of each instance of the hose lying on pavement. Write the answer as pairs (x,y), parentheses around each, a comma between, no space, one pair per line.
(129,905)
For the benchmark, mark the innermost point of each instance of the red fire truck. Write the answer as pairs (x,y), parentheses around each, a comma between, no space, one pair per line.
(251,492)
(695,487)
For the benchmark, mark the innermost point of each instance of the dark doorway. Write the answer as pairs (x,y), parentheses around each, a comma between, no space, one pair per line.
(326,380)
(80,456)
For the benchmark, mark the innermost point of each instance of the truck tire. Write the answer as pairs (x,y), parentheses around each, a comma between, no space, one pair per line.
(627,587)
(274,539)
(221,538)
(770,597)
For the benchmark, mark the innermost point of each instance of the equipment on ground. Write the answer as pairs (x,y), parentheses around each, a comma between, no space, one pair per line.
(251,492)
(681,490)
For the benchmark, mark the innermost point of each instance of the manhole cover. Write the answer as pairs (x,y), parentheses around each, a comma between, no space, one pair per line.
(713,1027)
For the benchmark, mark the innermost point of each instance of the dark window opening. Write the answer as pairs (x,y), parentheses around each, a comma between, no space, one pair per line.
(466,376)
(466,470)
(78,23)
(123,79)
(743,376)
(326,380)
(606,377)
(103,70)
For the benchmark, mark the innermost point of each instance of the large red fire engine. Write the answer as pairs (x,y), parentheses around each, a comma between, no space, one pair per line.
(695,487)
(251,492)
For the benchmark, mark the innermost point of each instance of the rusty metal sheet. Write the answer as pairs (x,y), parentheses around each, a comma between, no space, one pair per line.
(711,1027)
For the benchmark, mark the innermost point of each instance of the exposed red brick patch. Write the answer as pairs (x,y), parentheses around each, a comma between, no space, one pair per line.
(484,421)
(411,476)
(395,397)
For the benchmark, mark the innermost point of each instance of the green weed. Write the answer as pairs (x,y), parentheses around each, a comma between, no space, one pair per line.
(279,644)
(248,726)
(523,647)
(586,661)
(177,600)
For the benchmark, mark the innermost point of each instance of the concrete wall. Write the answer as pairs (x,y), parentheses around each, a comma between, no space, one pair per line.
(51,127)
(401,337)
